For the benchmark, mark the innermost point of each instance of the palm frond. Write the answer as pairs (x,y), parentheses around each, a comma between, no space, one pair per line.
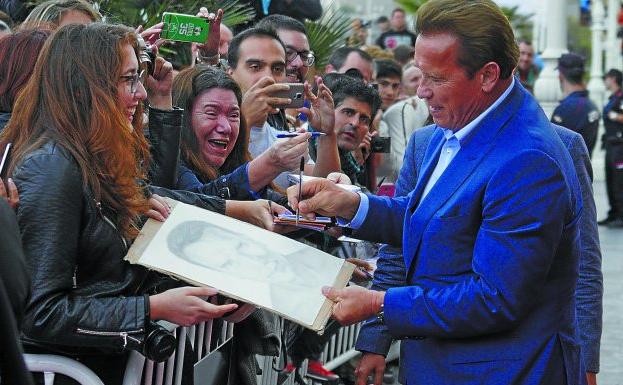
(327,34)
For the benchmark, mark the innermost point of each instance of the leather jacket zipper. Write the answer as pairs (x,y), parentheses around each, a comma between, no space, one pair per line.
(75,277)
(105,218)
(125,335)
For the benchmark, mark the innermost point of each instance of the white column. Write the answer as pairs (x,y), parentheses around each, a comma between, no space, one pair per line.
(613,44)
(547,86)
(596,85)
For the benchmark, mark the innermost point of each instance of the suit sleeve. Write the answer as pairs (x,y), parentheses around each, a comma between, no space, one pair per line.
(388,211)
(526,205)
(589,292)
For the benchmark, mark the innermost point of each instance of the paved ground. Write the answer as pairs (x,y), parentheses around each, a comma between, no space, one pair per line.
(612,266)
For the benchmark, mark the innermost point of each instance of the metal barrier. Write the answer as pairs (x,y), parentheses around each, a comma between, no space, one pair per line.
(141,371)
(50,365)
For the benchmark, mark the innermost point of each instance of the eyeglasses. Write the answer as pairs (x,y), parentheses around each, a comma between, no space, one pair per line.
(307,57)
(133,80)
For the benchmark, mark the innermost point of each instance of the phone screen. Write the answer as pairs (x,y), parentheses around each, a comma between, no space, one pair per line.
(188,28)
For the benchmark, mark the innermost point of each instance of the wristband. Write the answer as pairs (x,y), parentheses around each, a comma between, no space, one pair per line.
(212,60)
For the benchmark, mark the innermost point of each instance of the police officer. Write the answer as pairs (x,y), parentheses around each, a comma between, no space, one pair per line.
(576,111)
(613,143)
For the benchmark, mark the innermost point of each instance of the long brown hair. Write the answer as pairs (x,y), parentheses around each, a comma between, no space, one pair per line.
(72,98)
(187,86)
(19,52)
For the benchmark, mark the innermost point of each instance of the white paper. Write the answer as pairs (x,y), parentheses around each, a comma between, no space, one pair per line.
(244,261)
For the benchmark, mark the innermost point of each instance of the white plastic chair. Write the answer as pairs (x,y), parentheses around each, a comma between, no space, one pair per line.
(50,365)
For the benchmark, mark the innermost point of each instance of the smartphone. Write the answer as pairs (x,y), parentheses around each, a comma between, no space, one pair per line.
(187,28)
(296,94)
(5,159)
(381,144)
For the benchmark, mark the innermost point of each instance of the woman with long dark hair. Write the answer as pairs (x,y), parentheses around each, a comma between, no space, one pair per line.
(215,139)
(78,157)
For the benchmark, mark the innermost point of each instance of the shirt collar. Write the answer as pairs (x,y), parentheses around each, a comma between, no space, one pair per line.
(465,131)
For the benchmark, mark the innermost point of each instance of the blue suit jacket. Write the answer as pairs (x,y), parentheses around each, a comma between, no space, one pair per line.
(491,257)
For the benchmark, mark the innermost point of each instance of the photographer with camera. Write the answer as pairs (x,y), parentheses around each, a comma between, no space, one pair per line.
(355,105)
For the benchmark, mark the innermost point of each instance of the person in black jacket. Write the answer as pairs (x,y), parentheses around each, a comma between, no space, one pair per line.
(78,154)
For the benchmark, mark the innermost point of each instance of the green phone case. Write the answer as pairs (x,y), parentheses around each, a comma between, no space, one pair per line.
(188,28)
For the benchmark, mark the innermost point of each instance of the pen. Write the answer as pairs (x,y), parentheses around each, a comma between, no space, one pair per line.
(295,134)
(366,273)
(300,187)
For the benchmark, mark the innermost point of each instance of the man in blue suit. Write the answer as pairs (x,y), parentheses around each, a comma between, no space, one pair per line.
(374,339)
(490,232)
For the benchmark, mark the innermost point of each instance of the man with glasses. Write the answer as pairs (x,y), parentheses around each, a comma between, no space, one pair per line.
(292,33)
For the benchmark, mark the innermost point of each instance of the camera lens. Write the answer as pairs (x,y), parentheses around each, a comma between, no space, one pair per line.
(159,345)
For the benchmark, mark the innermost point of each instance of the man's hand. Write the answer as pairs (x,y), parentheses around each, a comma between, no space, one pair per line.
(591,378)
(370,365)
(258,101)
(159,85)
(354,304)
(321,114)
(321,196)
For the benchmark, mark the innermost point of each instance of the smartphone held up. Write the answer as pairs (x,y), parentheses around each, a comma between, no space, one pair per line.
(185,28)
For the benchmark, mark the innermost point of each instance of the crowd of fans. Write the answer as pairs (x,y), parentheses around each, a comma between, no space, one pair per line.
(100,133)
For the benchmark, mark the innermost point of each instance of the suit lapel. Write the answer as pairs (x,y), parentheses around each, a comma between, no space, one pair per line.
(473,150)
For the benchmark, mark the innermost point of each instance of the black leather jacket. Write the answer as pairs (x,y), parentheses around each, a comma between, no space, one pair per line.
(85,298)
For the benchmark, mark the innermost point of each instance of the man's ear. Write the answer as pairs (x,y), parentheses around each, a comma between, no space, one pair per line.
(329,69)
(230,71)
(489,76)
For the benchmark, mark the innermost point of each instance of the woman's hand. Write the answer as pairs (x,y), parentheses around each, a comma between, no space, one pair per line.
(187,306)
(285,154)
(151,35)
(160,84)
(9,192)
(160,209)
(260,213)
(321,114)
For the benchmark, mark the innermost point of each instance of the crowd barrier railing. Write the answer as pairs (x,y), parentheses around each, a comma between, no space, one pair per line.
(142,371)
